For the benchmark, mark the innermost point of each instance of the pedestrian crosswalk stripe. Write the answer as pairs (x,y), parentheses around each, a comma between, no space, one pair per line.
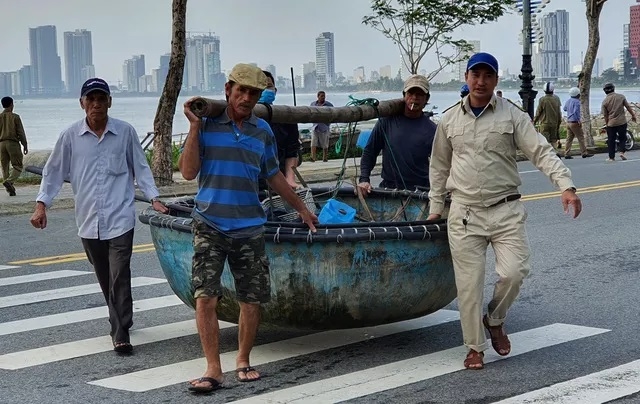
(44,276)
(179,372)
(91,346)
(77,316)
(595,388)
(3,267)
(397,374)
(54,294)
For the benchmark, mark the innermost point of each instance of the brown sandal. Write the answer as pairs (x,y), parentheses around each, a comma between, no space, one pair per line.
(499,339)
(474,360)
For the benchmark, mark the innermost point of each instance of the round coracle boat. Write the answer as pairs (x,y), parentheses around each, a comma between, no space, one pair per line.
(388,265)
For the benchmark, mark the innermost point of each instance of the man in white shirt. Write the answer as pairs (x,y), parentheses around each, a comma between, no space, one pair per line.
(102,157)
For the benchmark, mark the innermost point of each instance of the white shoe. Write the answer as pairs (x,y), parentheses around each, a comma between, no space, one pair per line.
(610,160)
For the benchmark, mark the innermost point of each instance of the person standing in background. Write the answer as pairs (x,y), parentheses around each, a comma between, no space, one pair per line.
(548,115)
(574,124)
(613,107)
(321,132)
(11,136)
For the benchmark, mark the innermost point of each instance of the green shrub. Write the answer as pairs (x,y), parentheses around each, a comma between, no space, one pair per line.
(175,155)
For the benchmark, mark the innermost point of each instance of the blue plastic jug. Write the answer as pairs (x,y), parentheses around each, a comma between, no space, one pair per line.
(363,138)
(336,212)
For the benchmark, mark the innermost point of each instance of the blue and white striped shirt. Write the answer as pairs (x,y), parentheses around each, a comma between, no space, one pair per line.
(102,173)
(232,161)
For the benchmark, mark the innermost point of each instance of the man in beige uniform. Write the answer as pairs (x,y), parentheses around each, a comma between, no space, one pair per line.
(474,158)
(548,115)
(613,107)
(11,136)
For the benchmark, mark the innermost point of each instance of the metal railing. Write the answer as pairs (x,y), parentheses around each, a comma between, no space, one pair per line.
(176,139)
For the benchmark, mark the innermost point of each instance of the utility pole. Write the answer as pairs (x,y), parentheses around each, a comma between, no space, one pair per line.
(527,93)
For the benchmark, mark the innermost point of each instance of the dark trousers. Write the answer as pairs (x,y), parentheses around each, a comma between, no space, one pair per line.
(613,133)
(111,261)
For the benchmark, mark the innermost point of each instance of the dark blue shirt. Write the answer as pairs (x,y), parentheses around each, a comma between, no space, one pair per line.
(232,161)
(406,146)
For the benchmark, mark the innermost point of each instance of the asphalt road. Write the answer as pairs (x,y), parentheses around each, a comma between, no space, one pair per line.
(577,315)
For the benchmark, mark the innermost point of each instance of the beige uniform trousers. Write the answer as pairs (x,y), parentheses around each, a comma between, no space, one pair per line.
(574,130)
(503,227)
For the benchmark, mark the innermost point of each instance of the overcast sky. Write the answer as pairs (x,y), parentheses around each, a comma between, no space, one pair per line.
(279,32)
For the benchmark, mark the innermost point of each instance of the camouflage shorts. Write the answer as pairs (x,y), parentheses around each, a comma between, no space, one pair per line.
(247,260)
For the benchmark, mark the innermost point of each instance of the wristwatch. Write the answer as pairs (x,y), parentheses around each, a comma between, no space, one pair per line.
(571,189)
(155,200)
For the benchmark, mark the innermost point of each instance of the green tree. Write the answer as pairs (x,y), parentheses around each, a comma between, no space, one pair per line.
(419,26)
(162,166)
(610,75)
(594,8)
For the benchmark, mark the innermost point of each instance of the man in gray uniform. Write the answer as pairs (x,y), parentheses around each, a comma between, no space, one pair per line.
(474,158)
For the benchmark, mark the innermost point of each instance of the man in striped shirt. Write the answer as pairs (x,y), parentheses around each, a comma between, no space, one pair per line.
(229,154)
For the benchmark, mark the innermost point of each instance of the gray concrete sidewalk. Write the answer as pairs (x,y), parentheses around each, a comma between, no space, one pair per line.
(24,201)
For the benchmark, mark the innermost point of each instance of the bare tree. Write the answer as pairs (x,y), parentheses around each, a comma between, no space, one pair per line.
(162,166)
(418,26)
(594,8)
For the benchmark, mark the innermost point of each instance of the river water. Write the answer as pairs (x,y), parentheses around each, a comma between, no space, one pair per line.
(45,119)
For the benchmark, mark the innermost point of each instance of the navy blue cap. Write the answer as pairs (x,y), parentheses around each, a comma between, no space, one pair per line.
(483,58)
(95,84)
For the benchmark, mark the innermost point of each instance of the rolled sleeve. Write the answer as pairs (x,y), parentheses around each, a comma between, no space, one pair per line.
(55,171)
(141,170)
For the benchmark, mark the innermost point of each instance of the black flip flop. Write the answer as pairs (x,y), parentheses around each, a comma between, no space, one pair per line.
(245,371)
(123,347)
(213,385)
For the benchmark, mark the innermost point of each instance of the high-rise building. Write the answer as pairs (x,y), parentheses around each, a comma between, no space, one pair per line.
(5,83)
(271,69)
(24,79)
(132,70)
(325,60)
(385,71)
(308,81)
(46,70)
(632,33)
(202,63)
(555,46)
(78,59)
(464,55)
(359,75)
(159,75)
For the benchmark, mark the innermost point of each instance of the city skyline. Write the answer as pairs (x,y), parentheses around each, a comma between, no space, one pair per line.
(385,52)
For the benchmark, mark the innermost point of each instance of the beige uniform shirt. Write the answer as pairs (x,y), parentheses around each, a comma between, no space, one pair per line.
(474,158)
(613,108)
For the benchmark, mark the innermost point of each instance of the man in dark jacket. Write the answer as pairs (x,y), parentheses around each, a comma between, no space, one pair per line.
(287,136)
(405,141)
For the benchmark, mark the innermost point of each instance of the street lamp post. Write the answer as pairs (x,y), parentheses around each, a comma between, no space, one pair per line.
(527,93)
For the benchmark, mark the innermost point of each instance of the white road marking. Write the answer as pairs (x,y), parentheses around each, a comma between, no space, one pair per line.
(417,369)
(44,276)
(175,373)
(595,388)
(54,294)
(77,316)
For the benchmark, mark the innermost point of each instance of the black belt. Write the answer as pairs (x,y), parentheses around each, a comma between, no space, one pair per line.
(573,121)
(509,198)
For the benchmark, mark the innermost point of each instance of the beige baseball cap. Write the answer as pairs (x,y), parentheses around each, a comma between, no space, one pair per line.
(416,81)
(249,76)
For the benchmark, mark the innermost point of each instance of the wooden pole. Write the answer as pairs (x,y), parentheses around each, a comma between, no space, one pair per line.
(205,107)
(293,84)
